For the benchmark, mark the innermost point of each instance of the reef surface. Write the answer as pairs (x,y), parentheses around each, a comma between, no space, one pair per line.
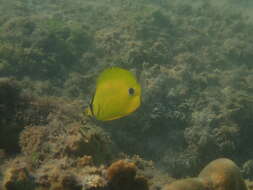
(194,61)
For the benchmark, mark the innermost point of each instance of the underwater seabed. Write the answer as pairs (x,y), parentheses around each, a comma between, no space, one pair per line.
(195,68)
(61,149)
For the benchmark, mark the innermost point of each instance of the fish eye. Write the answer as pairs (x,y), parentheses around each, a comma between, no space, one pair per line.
(131,91)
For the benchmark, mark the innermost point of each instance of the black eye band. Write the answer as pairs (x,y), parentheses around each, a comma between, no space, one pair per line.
(131,91)
(91,105)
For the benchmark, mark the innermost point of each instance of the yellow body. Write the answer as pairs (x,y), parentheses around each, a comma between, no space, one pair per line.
(117,94)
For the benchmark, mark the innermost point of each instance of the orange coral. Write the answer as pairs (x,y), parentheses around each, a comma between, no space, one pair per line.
(122,167)
(122,175)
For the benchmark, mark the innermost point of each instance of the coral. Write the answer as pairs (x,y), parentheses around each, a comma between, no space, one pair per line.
(122,175)
(147,170)
(194,64)
(247,169)
(67,174)
(226,136)
(95,182)
(17,179)
(58,179)
(75,174)
(249,184)
(79,143)
(189,184)
(127,169)
(53,140)
(59,149)
(12,105)
(19,109)
(84,161)
(58,129)
(17,176)
(222,174)
(31,139)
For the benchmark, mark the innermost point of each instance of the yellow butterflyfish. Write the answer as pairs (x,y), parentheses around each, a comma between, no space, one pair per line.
(117,94)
